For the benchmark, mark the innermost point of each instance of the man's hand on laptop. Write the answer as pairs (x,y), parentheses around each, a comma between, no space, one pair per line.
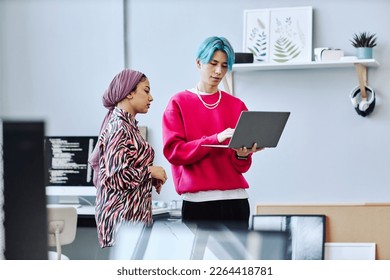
(226,134)
(245,152)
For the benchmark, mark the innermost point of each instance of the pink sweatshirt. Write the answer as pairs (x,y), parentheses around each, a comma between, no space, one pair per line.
(187,125)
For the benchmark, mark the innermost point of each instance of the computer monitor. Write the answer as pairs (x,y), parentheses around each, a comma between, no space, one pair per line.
(68,174)
(23,222)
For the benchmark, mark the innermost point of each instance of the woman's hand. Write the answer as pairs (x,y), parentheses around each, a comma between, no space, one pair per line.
(157,185)
(159,175)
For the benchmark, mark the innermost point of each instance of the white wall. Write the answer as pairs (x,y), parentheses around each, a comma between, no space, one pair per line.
(57,58)
(328,153)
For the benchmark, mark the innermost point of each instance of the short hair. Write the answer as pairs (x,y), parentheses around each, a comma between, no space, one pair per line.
(210,45)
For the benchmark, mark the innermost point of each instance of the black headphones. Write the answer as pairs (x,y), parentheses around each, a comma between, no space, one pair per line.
(363,106)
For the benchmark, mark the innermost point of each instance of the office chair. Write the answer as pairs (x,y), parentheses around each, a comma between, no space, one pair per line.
(62,225)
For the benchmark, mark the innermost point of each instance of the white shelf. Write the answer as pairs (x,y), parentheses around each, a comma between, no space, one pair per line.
(246,67)
(242,67)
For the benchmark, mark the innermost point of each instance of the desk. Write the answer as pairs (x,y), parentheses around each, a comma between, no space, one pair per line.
(88,210)
(86,214)
(86,246)
(171,239)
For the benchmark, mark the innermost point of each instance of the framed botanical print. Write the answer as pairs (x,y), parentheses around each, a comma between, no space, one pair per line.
(279,35)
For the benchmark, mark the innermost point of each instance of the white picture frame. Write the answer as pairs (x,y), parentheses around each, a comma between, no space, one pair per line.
(306,233)
(350,251)
(280,35)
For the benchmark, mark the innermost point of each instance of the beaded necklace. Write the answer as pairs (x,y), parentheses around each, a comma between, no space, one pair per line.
(207,105)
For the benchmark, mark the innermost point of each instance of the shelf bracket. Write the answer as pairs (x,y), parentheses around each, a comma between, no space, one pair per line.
(361,71)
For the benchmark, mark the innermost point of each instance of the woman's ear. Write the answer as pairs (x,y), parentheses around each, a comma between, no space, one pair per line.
(129,96)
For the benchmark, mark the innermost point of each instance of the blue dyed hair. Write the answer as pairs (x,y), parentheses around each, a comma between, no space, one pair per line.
(213,44)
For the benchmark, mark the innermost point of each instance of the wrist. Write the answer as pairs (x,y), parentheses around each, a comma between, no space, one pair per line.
(241,157)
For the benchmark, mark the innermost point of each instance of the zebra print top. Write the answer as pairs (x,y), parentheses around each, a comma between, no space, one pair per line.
(124,191)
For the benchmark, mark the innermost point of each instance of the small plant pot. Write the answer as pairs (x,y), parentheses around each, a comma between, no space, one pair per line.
(364,53)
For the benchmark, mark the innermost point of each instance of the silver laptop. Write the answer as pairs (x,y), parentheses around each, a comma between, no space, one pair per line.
(261,127)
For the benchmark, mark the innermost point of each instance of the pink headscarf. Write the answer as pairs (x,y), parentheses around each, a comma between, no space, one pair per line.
(122,84)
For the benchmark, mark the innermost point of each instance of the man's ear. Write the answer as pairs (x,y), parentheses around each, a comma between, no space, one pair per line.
(198,63)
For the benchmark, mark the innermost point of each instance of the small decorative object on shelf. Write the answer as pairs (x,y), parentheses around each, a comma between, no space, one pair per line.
(364,42)
(241,57)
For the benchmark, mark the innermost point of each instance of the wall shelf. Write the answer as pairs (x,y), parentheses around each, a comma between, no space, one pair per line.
(303,65)
(246,67)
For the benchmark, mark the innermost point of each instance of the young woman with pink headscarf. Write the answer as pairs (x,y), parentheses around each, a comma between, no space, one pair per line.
(124,173)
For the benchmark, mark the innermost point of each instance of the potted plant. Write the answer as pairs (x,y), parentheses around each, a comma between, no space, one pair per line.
(364,42)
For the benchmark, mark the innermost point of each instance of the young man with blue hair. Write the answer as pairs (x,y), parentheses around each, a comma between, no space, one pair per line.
(209,180)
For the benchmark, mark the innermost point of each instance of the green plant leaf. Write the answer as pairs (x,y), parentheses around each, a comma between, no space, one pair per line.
(364,40)
(259,47)
(285,50)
